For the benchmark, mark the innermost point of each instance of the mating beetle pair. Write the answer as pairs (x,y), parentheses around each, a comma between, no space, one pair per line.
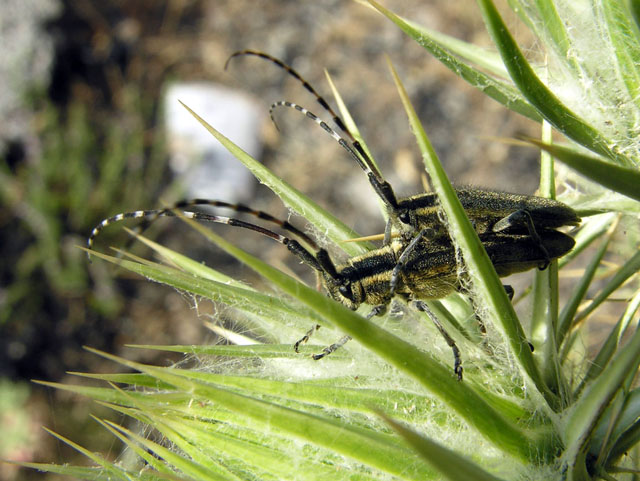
(418,261)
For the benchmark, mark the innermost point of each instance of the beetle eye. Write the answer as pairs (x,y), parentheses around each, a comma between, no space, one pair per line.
(346,292)
(404,217)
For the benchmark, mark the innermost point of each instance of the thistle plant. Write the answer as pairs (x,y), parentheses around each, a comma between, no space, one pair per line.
(387,405)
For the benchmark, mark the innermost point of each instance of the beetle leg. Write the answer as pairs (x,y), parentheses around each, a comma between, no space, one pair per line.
(457,366)
(427,232)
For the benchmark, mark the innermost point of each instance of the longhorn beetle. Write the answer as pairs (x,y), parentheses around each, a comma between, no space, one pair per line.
(489,211)
(517,231)
(429,269)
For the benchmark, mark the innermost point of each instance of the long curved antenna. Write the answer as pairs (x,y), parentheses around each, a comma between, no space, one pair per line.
(380,185)
(154,214)
(343,143)
(291,71)
(319,262)
(366,160)
(245,209)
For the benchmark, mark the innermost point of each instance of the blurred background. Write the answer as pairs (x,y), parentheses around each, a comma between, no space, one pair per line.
(90,127)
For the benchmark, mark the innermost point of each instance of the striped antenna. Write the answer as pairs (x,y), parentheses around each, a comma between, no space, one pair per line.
(365,159)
